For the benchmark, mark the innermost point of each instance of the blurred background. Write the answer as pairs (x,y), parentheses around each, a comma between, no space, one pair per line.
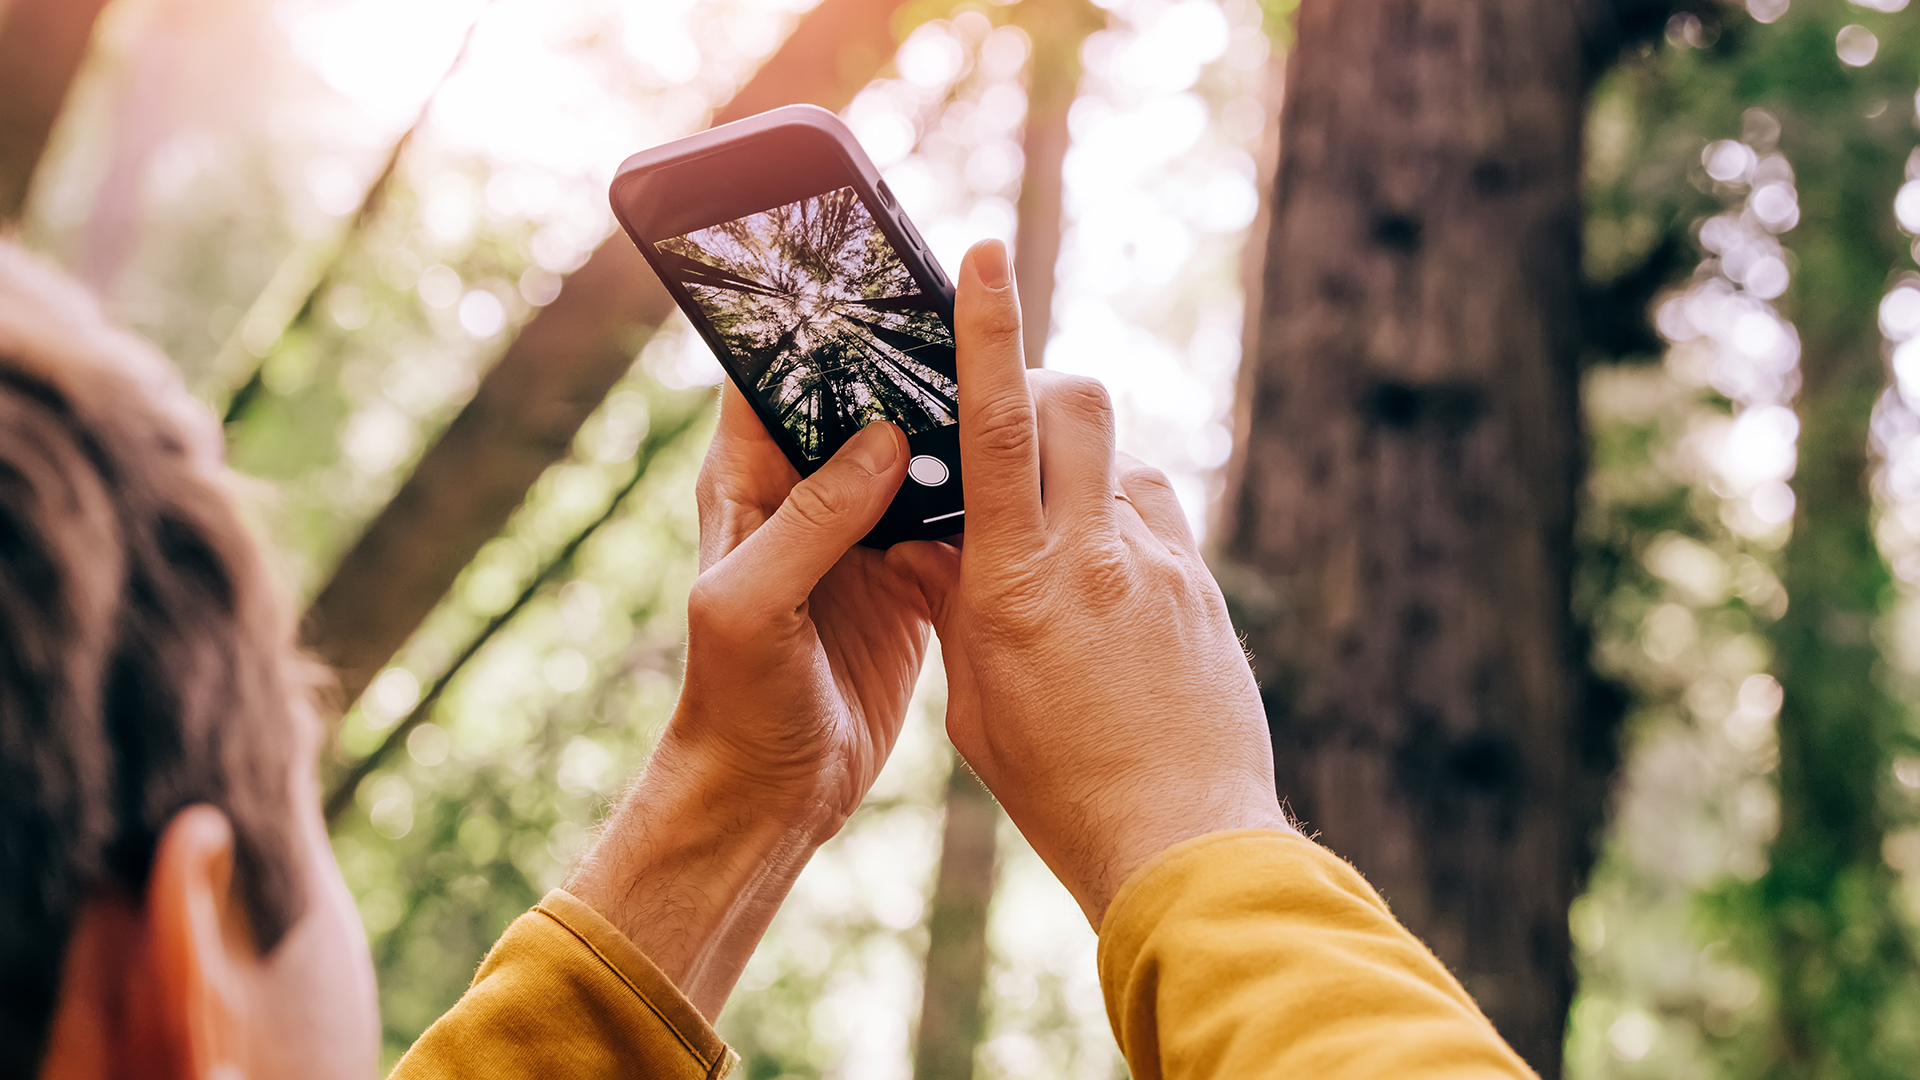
(1543,379)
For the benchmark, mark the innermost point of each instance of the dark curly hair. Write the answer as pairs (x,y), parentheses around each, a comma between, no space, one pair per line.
(146,664)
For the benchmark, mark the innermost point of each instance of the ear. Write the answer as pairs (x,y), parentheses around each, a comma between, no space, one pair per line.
(201,946)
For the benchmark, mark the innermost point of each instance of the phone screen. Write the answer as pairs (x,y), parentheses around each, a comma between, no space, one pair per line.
(825,324)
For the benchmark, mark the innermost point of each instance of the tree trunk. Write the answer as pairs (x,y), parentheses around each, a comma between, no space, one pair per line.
(1842,964)
(1839,957)
(1399,544)
(527,409)
(1056,29)
(42,43)
(952,1020)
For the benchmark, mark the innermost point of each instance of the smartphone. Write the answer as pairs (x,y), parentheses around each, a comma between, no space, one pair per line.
(780,241)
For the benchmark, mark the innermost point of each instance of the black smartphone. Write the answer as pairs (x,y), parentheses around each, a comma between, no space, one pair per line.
(778,238)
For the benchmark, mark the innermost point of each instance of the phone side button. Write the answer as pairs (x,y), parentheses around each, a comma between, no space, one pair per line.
(927,470)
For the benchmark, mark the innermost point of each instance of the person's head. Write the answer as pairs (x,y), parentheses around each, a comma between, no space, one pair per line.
(168,902)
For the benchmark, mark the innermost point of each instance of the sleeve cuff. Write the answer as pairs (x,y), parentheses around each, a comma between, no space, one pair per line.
(1151,887)
(649,984)
(565,993)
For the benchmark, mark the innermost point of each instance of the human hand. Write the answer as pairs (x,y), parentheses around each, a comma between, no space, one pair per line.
(802,648)
(1094,681)
(802,653)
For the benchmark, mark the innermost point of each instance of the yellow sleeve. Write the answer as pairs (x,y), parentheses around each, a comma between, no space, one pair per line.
(563,993)
(1260,954)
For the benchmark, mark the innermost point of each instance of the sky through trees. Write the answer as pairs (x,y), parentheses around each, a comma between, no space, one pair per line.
(826,324)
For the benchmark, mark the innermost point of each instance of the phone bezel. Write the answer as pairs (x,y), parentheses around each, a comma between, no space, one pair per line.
(721,175)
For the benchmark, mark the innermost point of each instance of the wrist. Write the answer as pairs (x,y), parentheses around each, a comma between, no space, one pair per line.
(758,781)
(692,864)
(1134,849)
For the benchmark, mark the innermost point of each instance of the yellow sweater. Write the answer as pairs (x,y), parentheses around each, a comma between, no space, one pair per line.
(1242,954)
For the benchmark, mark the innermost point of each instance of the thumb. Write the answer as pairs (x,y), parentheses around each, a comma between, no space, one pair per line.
(824,515)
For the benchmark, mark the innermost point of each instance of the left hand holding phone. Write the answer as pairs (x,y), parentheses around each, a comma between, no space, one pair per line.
(802,649)
(802,654)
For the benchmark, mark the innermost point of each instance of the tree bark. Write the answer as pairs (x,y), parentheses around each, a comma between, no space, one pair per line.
(42,44)
(1399,543)
(527,409)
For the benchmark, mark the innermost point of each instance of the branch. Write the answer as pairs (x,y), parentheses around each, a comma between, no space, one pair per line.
(289,298)
(42,45)
(341,795)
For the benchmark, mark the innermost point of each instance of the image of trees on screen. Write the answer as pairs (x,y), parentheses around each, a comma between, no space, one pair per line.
(824,321)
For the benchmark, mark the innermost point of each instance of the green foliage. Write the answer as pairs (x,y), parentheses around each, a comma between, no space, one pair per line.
(1808,967)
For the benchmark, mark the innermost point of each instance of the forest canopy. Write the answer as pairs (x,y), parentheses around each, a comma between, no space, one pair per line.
(824,321)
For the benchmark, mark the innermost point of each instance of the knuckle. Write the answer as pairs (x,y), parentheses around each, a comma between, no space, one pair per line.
(820,502)
(1172,575)
(1006,427)
(1015,608)
(995,325)
(1106,580)
(1085,395)
(707,493)
(1016,623)
(1146,476)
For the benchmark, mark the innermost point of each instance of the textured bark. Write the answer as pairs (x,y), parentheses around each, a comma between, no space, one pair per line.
(1399,543)
(42,44)
(952,1020)
(527,409)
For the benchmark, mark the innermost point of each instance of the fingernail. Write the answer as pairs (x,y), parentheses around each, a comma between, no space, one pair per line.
(875,448)
(991,264)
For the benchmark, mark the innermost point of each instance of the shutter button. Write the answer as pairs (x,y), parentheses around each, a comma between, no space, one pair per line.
(927,470)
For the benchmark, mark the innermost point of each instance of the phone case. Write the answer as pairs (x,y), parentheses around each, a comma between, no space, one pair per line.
(928,505)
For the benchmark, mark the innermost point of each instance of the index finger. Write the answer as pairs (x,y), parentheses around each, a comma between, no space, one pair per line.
(999,435)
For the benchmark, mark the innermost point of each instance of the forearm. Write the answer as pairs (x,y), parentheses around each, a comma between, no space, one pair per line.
(692,866)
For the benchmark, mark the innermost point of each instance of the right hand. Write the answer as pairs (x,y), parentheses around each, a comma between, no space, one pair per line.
(1094,681)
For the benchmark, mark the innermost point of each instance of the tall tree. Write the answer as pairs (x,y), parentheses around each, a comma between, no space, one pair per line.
(1822,92)
(952,1019)
(530,404)
(1837,946)
(1399,537)
(1055,30)
(42,43)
